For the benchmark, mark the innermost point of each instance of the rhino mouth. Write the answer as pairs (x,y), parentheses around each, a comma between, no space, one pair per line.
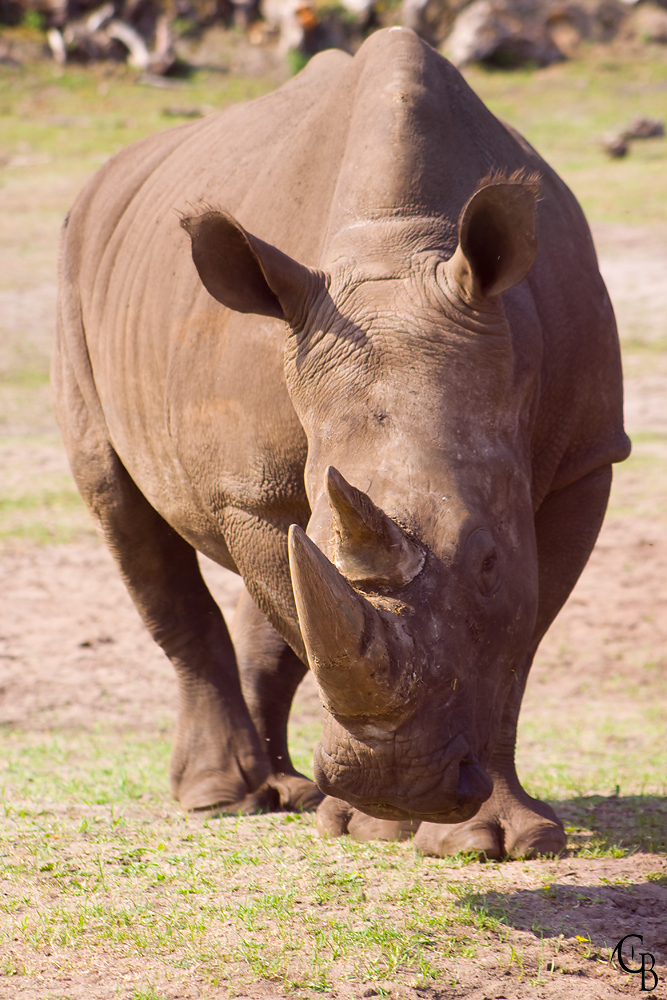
(456,796)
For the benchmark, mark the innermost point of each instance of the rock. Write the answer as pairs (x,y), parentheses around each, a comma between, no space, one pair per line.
(608,20)
(287,17)
(569,25)
(57,46)
(83,45)
(504,32)
(300,28)
(615,145)
(360,8)
(100,17)
(510,32)
(139,56)
(644,128)
(431,19)
(648,21)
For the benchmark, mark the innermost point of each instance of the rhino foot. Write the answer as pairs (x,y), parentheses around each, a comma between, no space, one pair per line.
(295,792)
(209,788)
(505,827)
(279,793)
(336,818)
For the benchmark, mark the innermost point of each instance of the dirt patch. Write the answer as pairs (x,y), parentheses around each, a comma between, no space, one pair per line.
(633,262)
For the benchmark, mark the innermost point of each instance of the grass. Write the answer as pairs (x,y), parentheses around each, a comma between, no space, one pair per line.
(97,866)
(71,119)
(638,490)
(59,125)
(39,503)
(92,864)
(47,517)
(599,745)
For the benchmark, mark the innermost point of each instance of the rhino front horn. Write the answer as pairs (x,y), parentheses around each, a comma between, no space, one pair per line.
(343,634)
(369,548)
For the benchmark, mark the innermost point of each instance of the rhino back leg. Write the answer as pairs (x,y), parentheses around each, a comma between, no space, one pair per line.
(217,757)
(270,674)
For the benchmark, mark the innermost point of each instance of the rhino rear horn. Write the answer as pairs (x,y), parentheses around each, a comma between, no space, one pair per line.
(369,548)
(343,634)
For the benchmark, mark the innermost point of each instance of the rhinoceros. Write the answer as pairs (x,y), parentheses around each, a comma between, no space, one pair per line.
(350,341)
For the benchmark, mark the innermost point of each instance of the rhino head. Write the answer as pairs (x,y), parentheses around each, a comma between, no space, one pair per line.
(416,581)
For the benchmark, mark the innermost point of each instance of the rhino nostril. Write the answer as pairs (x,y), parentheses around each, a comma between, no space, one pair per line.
(474,782)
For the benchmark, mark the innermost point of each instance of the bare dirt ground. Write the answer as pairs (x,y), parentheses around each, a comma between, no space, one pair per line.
(73,653)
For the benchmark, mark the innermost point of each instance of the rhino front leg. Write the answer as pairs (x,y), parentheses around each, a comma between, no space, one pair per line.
(217,756)
(270,674)
(512,823)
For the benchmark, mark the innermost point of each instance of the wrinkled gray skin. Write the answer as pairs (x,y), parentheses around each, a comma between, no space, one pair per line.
(380,341)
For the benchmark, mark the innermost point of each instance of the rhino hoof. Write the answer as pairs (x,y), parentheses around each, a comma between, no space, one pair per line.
(493,839)
(279,793)
(335,818)
(442,840)
(295,793)
(546,838)
(265,799)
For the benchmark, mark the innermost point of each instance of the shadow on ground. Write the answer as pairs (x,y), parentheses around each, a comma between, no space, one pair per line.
(586,920)
(609,884)
(603,824)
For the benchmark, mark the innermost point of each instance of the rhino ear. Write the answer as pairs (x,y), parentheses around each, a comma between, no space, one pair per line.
(246,274)
(497,240)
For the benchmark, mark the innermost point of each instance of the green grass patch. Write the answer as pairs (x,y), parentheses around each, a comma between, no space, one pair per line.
(47,768)
(48,517)
(303,735)
(63,499)
(93,860)
(27,379)
(79,115)
(98,864)
(596,748)
(39,503)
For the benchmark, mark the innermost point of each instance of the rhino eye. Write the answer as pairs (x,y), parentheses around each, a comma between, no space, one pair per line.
(483,558)
(489,563)
(488,574)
